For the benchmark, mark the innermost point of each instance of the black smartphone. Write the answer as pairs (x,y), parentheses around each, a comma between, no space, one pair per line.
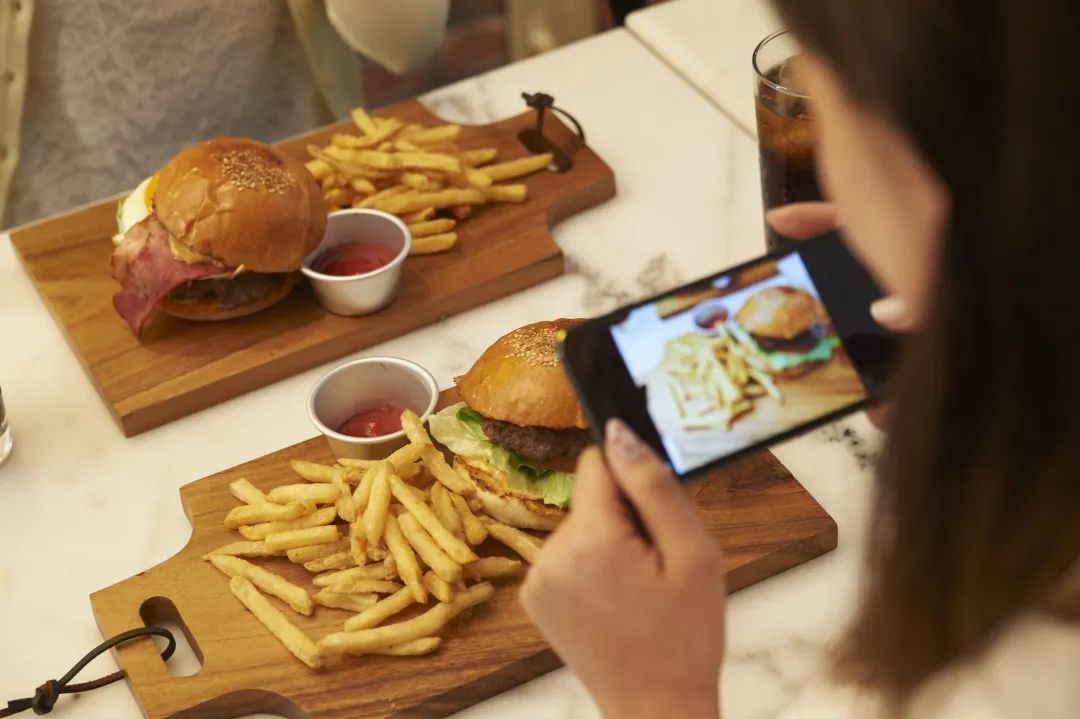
(737,360)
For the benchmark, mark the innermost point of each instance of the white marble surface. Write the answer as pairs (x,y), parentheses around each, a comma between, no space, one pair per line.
(81,507)
(710,43)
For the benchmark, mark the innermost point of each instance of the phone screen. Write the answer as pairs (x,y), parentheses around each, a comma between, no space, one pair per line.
(739,359)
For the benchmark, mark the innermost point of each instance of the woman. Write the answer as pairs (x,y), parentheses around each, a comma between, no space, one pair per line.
(96,94)
(948,143)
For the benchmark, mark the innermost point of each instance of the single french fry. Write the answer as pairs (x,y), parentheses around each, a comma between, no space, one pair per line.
(506,193)
(414,428)
(475,531)
(246,492)
(362,186)
(363,488)
(296,538)
(318,168)
(475,158)
(316,551)
(415,180)
(472,177)
(405,456)
(339,560)
(370,571)
(364,122)
(318,518)
(247,514)
(390,565)
(303,493)
(357,543)
(344,503)
(364,586)
(439,588)
(273,619)
(313,471)
(406,146)
(404,559)
(413,648)
(361,464)
(493,568)
(350,602)
(352,142)
(420,200)
(377,507)
(411,218)
(425,625)
(445,511)
(524,544)
(460,212)
(519,167)
(433,227)
(432,554)
(246,549)
(444,473)
(434,135)
(381,611)
(265,580)
(458,550)
(433,244)
(377,554)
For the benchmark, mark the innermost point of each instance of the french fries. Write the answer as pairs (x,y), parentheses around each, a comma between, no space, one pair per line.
(709,381)
(247,492)
(317,518)
(524,544)
(267,581)
(405,560)
(374,551)
(381,611)
(349,602)
(416,173)
(428,623)
(273,619)
(247,514)
(303,493)
(297,538)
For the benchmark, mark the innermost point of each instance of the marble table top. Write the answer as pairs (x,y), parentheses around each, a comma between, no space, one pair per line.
(710,44)
(81,507)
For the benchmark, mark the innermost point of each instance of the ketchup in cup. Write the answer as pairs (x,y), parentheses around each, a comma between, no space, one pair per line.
(356,257)
(375,421)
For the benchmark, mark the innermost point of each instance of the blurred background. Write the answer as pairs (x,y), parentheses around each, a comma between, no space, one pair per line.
(485,34)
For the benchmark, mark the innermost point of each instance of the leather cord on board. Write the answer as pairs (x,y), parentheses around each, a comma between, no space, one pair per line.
(49,693)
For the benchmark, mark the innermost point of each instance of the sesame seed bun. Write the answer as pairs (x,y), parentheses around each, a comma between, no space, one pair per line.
(243,203)
(780,313)
(520,379)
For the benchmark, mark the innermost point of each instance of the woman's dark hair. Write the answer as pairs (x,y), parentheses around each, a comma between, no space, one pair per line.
(978,510)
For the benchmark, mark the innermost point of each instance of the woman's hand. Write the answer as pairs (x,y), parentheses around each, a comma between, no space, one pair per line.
(636,611)
(803,220)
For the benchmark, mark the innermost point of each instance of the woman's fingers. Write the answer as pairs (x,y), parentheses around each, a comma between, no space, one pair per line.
(597,495)
(803,220)
(665,511)
(893,314)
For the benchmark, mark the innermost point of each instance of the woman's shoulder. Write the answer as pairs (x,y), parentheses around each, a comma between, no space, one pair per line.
(1032,670)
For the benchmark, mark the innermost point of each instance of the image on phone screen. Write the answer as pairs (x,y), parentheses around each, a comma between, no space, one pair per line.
(739,359)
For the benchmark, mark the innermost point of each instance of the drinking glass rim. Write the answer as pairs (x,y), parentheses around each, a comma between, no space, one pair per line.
(761,75)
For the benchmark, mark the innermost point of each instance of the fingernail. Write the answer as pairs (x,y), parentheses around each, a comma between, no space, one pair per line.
(891,311)
(621,440)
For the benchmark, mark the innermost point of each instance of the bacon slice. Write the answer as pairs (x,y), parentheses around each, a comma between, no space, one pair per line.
(146,267)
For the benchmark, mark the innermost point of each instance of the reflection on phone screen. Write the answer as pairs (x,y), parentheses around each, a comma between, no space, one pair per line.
(728,365)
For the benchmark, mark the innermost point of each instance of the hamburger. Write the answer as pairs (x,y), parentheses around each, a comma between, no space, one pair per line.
(218,233)
(519,430)
(787,327)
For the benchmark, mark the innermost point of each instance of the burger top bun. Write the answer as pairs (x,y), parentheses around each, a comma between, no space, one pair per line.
(241,202)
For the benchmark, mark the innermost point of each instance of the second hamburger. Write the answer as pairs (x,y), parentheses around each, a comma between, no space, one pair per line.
(520,429)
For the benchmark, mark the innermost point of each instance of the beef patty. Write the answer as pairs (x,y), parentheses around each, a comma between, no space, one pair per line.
(243,289)
(536,443)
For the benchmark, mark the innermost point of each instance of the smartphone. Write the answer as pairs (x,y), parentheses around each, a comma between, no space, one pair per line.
(738,360)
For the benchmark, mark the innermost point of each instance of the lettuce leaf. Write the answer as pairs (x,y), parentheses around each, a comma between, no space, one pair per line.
(821,352)
(458,429)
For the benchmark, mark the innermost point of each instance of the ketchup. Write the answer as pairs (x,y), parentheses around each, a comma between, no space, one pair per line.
(375,421)
(354,258)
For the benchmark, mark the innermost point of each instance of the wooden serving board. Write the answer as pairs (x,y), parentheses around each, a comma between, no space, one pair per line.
(180,367)
(765,520)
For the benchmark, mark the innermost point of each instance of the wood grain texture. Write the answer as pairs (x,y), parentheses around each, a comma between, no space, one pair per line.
(765,520)
(180,367)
